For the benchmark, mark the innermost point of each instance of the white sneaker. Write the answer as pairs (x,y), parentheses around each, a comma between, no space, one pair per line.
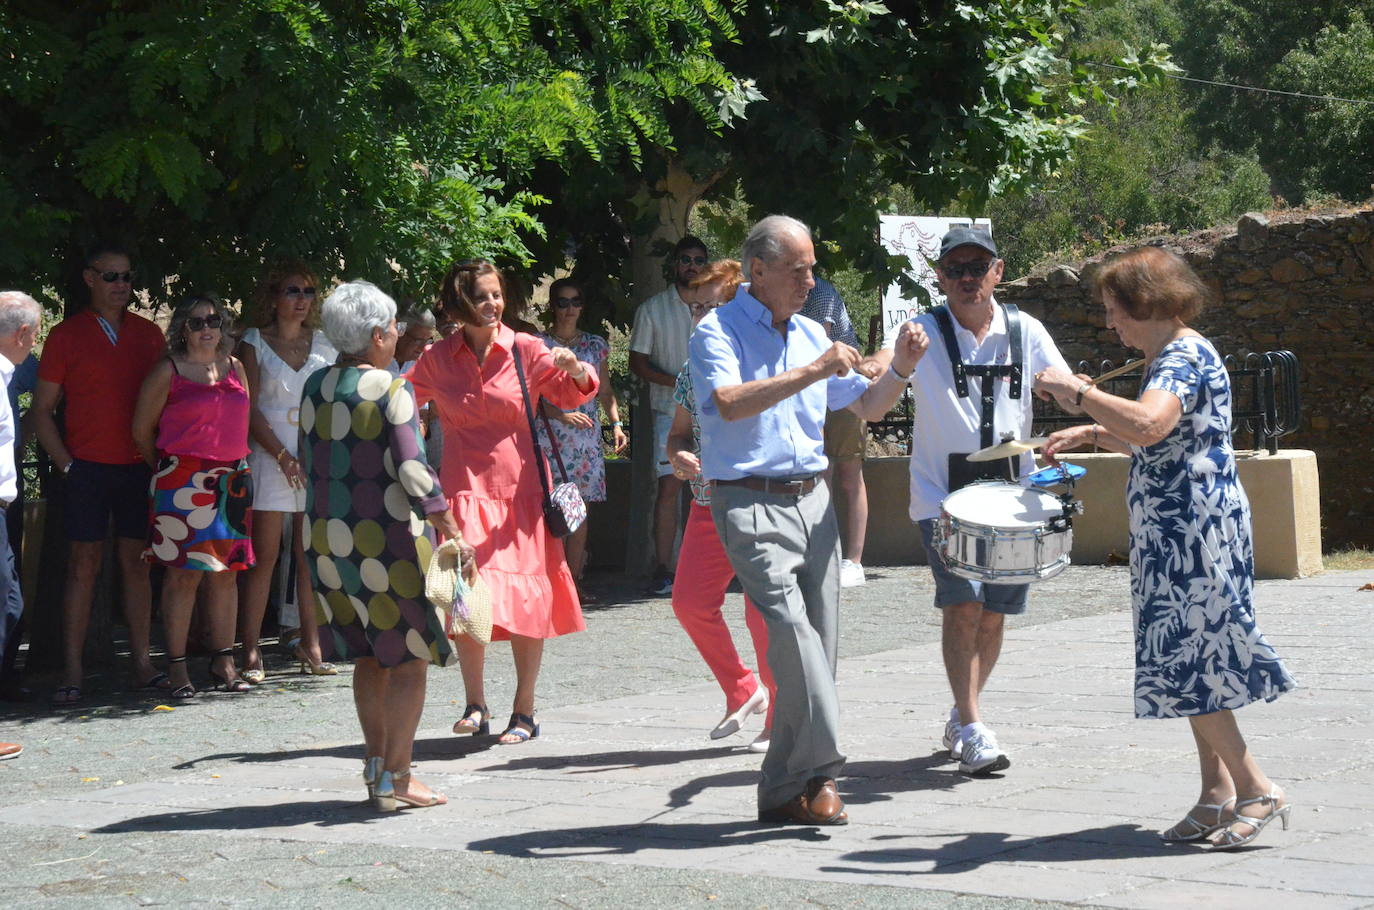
(980,753)
(851,574)
(954,739)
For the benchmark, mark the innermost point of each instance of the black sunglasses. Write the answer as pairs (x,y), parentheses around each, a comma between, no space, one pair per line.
(972,269)
(292,291)
(564,302)
(112,277)
(196,323)
(684,259)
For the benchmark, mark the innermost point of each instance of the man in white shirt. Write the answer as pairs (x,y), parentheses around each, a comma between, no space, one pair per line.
(19,316)
(658,349)
(958,411)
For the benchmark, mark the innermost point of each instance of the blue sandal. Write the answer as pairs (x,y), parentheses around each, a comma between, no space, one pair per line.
(522,727)
(476,720)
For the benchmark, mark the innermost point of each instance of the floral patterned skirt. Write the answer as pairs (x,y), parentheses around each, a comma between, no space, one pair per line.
(201,514)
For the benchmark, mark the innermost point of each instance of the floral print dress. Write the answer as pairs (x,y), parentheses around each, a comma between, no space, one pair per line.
(579,448)
(1198,649)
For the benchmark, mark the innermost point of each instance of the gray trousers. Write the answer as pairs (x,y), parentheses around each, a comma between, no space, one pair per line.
(785,550)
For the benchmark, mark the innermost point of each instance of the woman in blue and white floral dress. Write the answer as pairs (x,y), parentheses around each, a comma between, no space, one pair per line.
(1199,653)
(578,430)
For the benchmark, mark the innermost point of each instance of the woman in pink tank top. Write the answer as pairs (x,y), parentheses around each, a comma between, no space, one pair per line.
(191,426)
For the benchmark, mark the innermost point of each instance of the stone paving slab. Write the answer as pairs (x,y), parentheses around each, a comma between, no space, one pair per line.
(628,786)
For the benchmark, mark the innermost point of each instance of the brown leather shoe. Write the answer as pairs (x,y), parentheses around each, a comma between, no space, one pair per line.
(10,750)
(818,804)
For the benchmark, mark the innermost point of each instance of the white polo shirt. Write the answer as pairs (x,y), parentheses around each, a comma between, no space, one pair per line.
(944,423)
(662,326)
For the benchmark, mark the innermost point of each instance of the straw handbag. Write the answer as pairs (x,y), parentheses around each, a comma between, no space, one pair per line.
(467,608)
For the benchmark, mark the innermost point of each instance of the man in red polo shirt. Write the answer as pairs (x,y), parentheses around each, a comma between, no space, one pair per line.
(95,361)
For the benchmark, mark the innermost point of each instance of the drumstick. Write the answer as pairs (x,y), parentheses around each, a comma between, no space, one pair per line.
(1119,371)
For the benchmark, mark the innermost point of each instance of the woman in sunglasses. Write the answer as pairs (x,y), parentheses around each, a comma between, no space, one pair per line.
(488,474)
(279,353)
(191,426)
(578,431)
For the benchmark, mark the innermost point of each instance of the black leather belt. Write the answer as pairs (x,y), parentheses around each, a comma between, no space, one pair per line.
(796,486)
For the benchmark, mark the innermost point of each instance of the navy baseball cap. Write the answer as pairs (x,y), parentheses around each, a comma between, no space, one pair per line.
(967,236)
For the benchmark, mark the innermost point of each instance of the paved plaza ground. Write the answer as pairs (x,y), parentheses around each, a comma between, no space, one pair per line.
(256,800)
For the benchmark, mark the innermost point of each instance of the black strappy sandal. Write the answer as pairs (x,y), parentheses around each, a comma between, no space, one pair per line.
(523,727)
(181,692)
(223,683)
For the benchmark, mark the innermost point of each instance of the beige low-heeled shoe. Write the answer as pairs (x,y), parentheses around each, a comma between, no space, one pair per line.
(434,799)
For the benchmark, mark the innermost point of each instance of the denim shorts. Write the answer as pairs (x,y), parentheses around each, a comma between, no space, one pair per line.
(955,589)
(95,492)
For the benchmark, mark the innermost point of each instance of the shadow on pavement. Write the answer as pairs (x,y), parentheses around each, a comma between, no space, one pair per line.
(980,848)
(868,782)
(626,840)
(620,760)
(325,813)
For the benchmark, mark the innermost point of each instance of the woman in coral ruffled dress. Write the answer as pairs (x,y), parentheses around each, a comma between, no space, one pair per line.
(488,473)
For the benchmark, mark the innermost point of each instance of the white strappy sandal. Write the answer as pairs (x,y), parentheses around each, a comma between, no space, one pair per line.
(1229,840)
(1193,828)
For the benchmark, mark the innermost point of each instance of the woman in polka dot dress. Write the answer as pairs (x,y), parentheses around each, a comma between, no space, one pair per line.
(368,491)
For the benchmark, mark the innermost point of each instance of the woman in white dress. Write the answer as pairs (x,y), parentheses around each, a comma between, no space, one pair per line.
(279,353)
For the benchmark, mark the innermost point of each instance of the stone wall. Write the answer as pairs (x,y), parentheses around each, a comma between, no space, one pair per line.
(1300,282)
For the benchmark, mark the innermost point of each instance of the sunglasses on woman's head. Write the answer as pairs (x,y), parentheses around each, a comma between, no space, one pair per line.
(972,269)
(292,291)
(112,277)
(196,323)
(564,302)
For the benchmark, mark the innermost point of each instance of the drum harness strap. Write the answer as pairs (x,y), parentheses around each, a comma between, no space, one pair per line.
(984,371)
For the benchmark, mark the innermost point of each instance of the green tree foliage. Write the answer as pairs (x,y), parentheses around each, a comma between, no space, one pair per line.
(1139,170)
(1317,47)
(381,138)
(388,137)
(1327,147)
(954,102)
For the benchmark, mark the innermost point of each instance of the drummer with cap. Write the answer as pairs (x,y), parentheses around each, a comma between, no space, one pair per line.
(971,391)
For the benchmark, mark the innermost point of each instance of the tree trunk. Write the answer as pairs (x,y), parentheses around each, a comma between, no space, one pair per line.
(663,212)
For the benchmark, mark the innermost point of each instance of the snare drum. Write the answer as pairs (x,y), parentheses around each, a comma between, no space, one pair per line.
(1003,533)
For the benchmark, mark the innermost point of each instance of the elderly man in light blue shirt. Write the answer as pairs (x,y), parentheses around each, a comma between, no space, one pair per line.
(764,377)
(19,317)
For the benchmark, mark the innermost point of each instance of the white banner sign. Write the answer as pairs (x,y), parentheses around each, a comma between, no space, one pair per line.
(918,238)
